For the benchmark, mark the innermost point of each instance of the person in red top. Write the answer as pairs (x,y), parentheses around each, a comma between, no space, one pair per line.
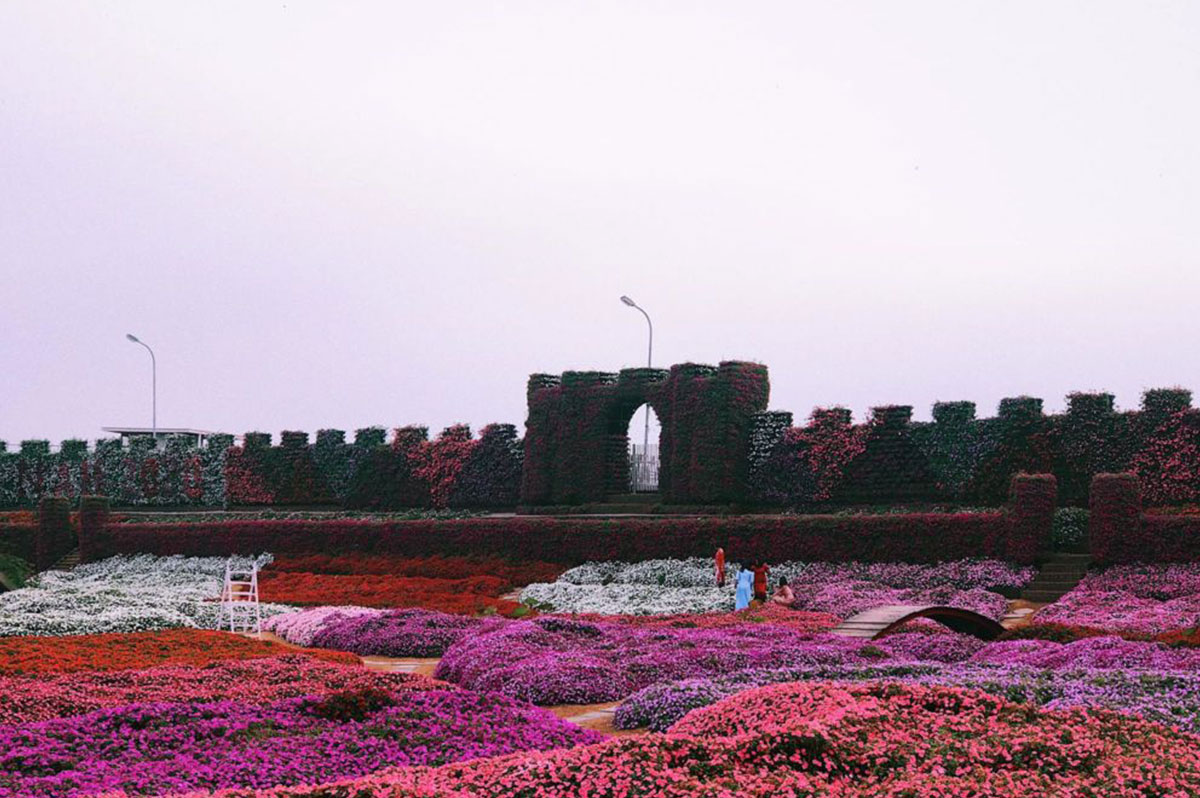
(720,563)
(760,581)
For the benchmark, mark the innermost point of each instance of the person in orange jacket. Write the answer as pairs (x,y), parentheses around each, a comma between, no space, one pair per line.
(720,566)
(760,581)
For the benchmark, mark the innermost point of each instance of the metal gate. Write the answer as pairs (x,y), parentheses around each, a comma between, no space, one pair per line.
(643,468)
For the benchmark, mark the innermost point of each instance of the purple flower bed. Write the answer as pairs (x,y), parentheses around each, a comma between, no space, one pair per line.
(1148,599)
(1171,698)
(959,574)
(156,748)
(396,633)
(561,661)
(1092,652)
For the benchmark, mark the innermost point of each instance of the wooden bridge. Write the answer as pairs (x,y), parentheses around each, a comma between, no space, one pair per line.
(878,621)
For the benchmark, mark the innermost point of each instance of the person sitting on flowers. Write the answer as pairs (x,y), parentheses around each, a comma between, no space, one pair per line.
(784,596)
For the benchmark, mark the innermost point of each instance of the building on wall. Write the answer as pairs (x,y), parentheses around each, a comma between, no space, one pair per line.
(197,436)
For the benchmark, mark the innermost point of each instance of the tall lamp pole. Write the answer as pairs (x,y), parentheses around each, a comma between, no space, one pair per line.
(153,388)
(649,363)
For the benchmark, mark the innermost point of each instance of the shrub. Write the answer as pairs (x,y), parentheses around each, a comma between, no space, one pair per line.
(1069,529)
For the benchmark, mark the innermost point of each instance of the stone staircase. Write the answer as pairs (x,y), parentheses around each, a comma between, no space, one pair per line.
(1057,576)
(68,561)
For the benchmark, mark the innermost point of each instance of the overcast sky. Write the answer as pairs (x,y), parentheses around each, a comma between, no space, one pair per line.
(343,214)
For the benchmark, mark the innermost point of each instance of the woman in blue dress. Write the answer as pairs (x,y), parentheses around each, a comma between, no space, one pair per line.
(745,589)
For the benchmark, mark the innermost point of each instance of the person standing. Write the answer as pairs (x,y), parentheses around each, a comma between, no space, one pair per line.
(720,566)
(745,584)
(760,581)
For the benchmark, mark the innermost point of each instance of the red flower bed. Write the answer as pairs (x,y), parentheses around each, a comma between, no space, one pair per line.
(114,652)
(515,574)
(1183,638)
(471,595)
(465,585)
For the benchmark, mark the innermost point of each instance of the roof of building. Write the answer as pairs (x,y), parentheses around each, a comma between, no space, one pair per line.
(160,430)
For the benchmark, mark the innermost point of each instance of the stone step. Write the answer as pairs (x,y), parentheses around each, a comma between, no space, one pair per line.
(1043,596)
(1047,582)
(1066,567)
(1069,556)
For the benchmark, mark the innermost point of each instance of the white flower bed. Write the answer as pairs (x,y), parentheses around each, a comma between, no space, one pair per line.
(628,599)
(122,594)
(692,572)
(661,587)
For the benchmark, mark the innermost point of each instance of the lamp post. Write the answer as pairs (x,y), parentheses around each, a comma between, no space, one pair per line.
(649,363)
(153,388)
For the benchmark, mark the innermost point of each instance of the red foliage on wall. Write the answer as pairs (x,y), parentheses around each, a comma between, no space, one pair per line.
(1168,464)
(1034,499)
(438,463)
(245,482)
(925,537)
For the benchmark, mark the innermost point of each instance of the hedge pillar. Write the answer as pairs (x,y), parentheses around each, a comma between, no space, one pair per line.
(1030,515)
(93,526)
(54,537)
(1116,504)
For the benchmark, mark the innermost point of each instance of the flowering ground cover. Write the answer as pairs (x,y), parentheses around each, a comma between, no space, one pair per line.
(658,587)
(371,632)
(397,633)
(514,573)
(468,596)
(257,681)
(797,620)
(155,748)
(466,585)
(114,651)
(299,628)
(561,661)
(121,594)
(848,741)
(1172,698)
(1143,599)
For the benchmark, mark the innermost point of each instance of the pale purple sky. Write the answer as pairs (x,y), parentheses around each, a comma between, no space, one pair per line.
(342,214)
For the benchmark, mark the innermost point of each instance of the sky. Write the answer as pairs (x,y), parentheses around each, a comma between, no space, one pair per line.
(348,214)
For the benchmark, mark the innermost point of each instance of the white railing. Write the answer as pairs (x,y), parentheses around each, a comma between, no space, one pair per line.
(643,468)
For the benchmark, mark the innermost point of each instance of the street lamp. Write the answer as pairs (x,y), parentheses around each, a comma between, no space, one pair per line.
(153,388)
(649,362)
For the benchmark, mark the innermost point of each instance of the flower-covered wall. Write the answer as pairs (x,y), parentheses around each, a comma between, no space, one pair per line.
(576,441)
(454,470)
(960,458)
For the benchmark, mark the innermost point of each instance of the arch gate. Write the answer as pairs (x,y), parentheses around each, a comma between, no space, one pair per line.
(577,442)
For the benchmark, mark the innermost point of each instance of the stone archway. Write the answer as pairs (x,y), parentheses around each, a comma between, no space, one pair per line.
(576,439)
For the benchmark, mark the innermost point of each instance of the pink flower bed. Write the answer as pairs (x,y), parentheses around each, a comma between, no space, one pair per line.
(257,682)
(848,741)
(1092,652)
(299,628)
(1146,599)
(796,620)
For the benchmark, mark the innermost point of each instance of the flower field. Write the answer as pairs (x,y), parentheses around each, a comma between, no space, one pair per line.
(821,739)
(114,685)
(450,584)
(120,594)
(669,587)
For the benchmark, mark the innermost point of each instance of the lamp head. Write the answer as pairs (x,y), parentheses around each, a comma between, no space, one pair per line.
(629,302)
(132,337)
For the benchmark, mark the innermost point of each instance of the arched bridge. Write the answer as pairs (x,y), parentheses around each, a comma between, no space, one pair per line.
(878,621)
